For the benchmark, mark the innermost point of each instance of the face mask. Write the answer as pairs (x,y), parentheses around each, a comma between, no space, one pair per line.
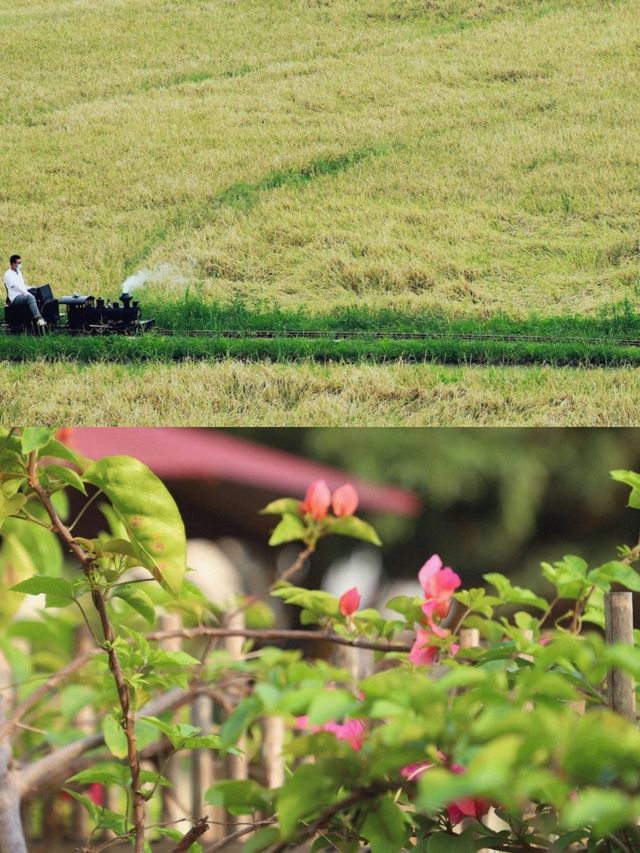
(19,266)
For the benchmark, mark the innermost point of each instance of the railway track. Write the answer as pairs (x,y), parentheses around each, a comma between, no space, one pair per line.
(361,335)
(394,336)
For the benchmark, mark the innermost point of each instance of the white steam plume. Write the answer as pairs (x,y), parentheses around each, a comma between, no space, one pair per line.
(135,281)
(162,273)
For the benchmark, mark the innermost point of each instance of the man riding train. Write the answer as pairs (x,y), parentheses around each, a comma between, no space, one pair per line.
(17,291)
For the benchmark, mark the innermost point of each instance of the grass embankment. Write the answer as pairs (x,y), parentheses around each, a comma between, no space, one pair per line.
(153,347)
(614,322)
(231,393)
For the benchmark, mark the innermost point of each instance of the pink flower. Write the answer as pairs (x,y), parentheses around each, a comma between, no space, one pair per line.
(466,806)
(345,500)
(423,652)
(458,809)
(352,731)
(415,771)
(317,500)
(438,584)
(349,601)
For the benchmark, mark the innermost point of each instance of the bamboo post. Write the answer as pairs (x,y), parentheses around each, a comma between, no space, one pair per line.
(272,745)
(469,638)
(172,809)
(618,616)
(202,772)
(86,722)
(237,766)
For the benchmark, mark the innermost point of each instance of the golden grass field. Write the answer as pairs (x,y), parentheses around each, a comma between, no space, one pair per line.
(237,394)
(467,155)
(492,156)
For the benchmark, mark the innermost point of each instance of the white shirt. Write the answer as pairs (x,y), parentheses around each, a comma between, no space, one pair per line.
(14,282)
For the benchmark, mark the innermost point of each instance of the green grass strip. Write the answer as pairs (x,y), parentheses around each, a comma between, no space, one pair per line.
(615,322)
(153,347)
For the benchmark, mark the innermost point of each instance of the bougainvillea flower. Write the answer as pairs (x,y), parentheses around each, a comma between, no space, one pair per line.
(438,583)
(459,809)
(423,651)
(349,601)
(415,771)
(64,435)
(466,806)
(345,500)
(317,500)
(351,730)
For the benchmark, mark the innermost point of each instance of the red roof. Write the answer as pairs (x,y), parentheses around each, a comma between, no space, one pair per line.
(199,454)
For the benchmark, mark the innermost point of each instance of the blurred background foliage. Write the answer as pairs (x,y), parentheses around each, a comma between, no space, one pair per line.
(492,499)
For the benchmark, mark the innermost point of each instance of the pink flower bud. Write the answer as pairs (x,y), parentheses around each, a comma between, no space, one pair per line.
(439,583)
(349,601)
(317,500)
(345,500)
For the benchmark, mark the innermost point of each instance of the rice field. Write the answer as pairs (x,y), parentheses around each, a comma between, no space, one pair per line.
(472,157)
(234,393)
(414,153)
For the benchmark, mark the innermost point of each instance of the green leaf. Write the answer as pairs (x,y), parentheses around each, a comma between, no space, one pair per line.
(114,736)
(288,529)
(108,773)
(262,840)
(606,811)
(151,517)
(305,793)
(138,600)
(43,546)
(15,567)
(514,594)
(332,705)
(569,576)
(238,796)
(315,600)
(56,588)
(444,842)
(438,787)
(350,525)
(630,478)
(118,546)
(58,450)
(33,438)
(67,475)
(239,720)
(615,572)
(282,506)
(10,506)
(384,827)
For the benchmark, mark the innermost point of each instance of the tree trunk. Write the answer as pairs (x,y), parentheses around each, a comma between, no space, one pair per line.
(11,835)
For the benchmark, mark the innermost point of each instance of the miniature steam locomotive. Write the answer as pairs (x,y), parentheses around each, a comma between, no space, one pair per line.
(81,315)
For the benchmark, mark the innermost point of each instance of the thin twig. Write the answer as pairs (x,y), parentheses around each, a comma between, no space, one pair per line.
(366,793)
(193,835)
(245,830)
(84,509)
(277,634)
(52,682)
